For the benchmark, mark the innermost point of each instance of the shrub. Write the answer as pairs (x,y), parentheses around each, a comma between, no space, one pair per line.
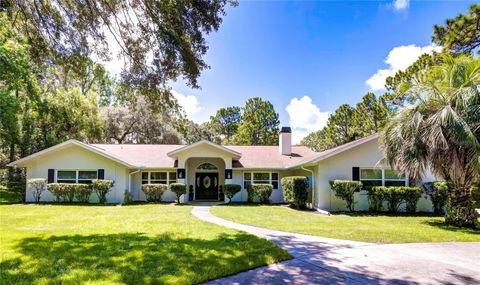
(259,191)
(394,197)
(251,197)
(58,190)
(411,195)
(127,198)
(154,192)
(82,192)
(102,187)
(179,189)
(345,189)
(230,190)
(38,186)
(376,196)
(295,189)
(438,193)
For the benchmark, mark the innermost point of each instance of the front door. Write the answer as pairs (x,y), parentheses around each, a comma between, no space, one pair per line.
(206,186)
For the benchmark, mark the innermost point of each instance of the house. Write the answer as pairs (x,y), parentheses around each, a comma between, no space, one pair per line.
(204,167)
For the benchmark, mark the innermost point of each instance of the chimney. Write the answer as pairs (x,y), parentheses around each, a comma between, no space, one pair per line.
(285,141)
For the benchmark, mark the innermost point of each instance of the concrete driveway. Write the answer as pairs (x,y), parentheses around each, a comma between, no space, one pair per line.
(330,261)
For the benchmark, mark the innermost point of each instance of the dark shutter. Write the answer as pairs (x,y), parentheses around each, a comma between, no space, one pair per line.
(51,176)
(101,174)
(356,173)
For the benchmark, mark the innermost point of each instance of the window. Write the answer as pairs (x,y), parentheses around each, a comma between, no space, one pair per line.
(159,177)
(76,176)
(260,178)
(207,166)
(371,177)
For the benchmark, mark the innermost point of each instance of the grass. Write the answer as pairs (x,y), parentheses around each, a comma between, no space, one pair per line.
(369,228)
(138,244)
(8,197)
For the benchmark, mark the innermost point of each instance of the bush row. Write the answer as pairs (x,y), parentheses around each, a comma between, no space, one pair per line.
(154,192)
(260,192)
(345,190)
(394,196)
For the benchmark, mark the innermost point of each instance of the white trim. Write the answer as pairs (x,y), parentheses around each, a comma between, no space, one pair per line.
(94,149)
(383,180)
(149,179)
(77,173)
(269,181)
(202,142)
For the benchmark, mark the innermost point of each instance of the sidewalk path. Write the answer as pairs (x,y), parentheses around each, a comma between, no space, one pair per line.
(320,260)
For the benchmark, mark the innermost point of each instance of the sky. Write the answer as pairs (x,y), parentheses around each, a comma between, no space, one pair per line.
(307,58)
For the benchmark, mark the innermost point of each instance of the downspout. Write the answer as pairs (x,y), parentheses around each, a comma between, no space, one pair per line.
(130,179)
(313,191)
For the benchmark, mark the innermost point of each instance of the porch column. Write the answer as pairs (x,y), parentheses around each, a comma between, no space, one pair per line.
(182,172)
(228,173)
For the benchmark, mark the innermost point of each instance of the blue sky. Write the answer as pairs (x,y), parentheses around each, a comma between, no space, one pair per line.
(281,50)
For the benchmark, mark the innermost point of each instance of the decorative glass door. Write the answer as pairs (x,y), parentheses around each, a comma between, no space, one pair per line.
(206,186)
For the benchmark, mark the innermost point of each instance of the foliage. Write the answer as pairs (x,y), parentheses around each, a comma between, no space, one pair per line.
(230,190)
(193,132)
(345,189)
(92,241)
(295,190)
(347,124)
(460,35)
(365,227)
(376,196)
(438,193)
(154,192)
(259,124)
(66,192)
(441,130)
(127,198)
(394,197)
(411,195)
(259,192)
(9,197)
(179,189)
(225,123)
(37,186)
(475,192)
(101,188)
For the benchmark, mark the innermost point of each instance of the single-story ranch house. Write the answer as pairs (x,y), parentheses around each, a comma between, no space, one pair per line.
(204,167)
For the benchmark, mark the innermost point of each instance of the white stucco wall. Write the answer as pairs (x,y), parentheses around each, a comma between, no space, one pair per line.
(136,187)
(77,158)
(367,155)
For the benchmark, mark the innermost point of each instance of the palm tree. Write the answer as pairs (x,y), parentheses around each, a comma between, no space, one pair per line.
(440,130)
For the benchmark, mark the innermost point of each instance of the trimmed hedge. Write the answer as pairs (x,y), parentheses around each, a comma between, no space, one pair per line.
(295,189)
(179,189)
(102,187)
(438,193)
(345,189)
(260,191)
(475,194)
(394,196)
(230,190)
(66,192)
(37,185)
(127,198)
(154,192)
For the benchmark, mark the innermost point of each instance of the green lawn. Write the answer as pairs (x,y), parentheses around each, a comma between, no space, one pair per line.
(383,229)
(8,197)
(138,244)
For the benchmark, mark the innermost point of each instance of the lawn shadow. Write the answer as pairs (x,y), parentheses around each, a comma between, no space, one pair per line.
(443,226)
(135,258)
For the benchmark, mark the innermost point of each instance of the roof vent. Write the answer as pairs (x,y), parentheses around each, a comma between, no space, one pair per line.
(285,141)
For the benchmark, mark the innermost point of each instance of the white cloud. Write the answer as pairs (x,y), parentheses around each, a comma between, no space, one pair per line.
(399,58)
(305,117)
(189,103)
(401,4)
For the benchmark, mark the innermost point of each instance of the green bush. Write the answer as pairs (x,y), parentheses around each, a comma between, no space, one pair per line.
(259,191)
(82,192)
(345,189)
(394,197)
(230,190)
(179,189)
(127,198)
(67,192)
(101,188)
(154,192)
(475,194)
(295,190)
(37,185)
(411,195)
(376,196)
(438,193)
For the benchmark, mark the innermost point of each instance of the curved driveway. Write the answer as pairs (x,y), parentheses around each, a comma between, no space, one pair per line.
(320,260)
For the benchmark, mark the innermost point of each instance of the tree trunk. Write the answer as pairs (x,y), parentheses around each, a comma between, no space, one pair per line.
(460,212)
